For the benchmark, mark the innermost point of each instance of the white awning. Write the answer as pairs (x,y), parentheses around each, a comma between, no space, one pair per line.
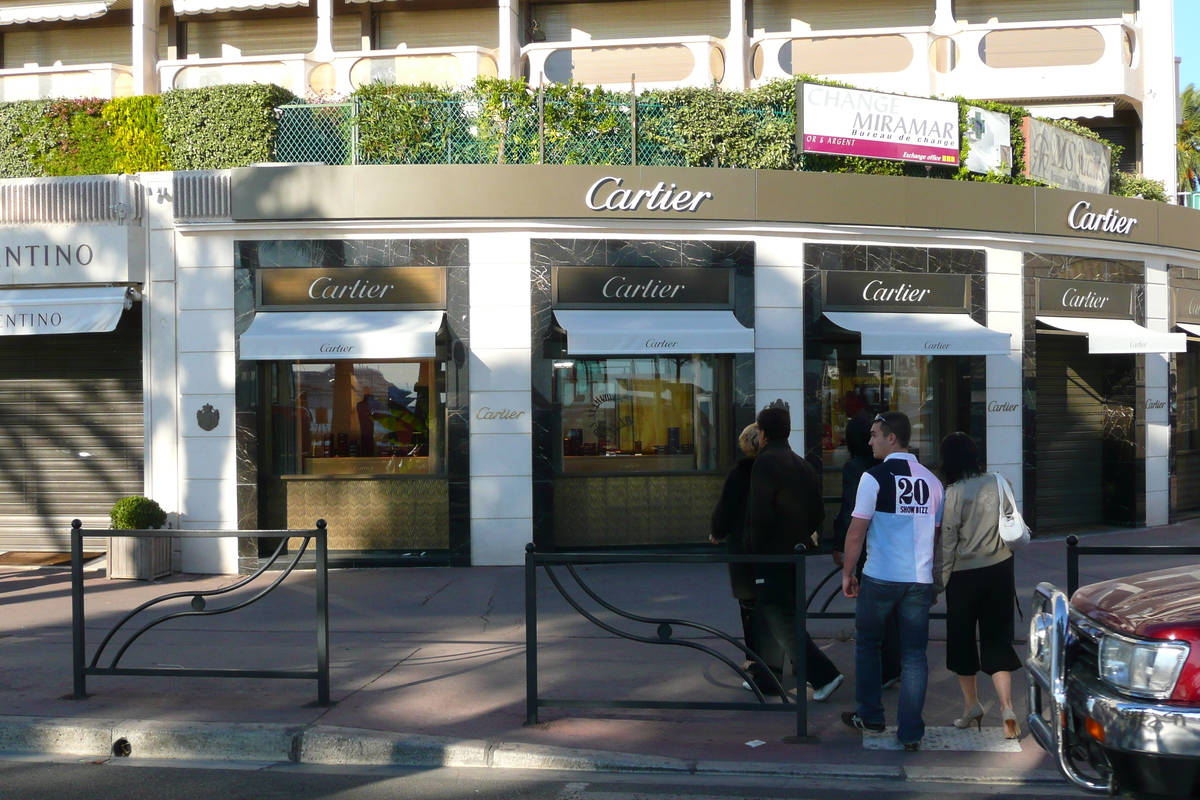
(626,332)
(183,7)
(89,309)
(1119,335)
(1191,328)
(916,334)
(341,335)
(53,12)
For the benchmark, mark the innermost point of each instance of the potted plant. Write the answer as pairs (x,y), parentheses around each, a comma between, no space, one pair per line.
(138,558)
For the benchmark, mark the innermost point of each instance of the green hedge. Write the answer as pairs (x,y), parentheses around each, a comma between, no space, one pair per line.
(211,128)
(492,121)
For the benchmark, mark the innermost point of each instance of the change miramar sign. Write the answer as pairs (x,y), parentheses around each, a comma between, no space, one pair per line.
(849,122)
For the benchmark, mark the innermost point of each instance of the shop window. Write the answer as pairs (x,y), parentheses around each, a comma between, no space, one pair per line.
(1187,431)
(354,418)
(647,414)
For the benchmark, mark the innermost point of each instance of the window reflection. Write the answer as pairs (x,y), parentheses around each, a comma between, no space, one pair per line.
(642,414)
(353,418)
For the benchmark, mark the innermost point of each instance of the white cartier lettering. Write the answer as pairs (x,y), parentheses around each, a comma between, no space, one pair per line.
(660,198)
(996,406)
(875,291)
(937,345)
(661,343)
(1137,345)
(1081,218)
(324,288)
(503,413)
(47,255)
(1073,299)
(618,286)
(1193,307)
(337,348)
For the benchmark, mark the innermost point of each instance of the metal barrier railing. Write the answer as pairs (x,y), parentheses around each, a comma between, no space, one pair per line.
(81,668)
(836,592)
(664,633)
(1075,550)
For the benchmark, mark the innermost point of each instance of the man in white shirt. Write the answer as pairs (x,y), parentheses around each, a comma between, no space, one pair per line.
(898,513)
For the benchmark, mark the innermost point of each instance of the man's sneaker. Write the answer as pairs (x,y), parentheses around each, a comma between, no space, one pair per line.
(892,682)
(910,746)
(853,720)
(828,689)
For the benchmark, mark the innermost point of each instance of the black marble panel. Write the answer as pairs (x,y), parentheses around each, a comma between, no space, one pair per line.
(718,254)
(379,252)
(897,259)
(543,514)
(979,299)
(243,301)
(569,252)
(440,252)
(459,522)
(266,254)
(1139,304)
(655,253)
(957,262)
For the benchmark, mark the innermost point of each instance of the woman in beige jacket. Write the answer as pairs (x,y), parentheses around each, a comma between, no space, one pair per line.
(977,571)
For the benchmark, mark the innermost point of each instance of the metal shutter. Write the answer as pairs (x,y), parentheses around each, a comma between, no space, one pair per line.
(99,45)
(453,27)
(1187,431)
(773,16)
(1070,431)
(253,37)
(980,11)
(62,396)
(633,20)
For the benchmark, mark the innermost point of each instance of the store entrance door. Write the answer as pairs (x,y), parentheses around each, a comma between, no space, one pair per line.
(71,432)
(1085,435)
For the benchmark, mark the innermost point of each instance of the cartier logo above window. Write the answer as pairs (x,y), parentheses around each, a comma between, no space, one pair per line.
(377,288)
(643,287)
(1187,305)
(608,194)
(1085,299)
(894,291)
(1082,218)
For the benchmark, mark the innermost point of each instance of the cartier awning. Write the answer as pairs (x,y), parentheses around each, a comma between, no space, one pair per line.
(93,309)
(897,334)
(1191,329)
(621,332)
(1118,335)
(348,335)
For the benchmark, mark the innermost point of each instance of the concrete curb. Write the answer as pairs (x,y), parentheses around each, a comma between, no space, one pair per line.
(330,745)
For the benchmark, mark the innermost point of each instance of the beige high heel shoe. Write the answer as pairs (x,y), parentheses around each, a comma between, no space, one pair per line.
(974,714)
(1011,729)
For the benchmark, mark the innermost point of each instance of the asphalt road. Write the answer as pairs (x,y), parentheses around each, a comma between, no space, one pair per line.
(128,779)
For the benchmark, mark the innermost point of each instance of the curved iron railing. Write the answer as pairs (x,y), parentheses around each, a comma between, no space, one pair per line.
(199,603)
(664,633)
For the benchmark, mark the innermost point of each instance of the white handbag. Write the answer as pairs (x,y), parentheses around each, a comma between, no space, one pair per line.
(1013,530)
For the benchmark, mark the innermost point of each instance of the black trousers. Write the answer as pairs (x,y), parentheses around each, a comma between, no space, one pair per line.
(981,599)
(777,603)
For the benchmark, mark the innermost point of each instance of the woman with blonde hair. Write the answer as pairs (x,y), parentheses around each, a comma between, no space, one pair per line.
(729,527)
(977,573)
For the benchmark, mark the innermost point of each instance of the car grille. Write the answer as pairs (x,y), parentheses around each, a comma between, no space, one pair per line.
(1083,652)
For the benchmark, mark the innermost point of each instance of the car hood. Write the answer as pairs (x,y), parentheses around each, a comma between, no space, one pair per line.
(1155,605)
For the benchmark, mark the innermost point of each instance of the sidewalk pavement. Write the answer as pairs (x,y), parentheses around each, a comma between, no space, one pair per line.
(428,668)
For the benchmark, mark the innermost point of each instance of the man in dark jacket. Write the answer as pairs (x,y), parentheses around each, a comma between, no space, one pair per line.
(786,508)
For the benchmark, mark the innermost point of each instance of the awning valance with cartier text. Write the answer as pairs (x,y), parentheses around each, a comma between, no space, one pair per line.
(895,334)
(341,336)
(624,332)
(1118,335)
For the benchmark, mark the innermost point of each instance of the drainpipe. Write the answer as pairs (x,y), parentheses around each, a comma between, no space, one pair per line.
(736,46)
(145,46)
(508,56)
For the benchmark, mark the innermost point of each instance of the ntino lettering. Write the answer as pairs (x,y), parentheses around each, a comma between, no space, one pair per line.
(48,255)
(660,198)
(30,319)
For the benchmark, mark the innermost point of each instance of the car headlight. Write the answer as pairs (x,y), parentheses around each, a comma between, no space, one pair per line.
(1145,668)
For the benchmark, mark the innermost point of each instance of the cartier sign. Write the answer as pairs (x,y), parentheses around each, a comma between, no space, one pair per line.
(894,291)
(643,287)
(1187,305)
(610,194)
(1081,217)
(375,288)
(1085,299)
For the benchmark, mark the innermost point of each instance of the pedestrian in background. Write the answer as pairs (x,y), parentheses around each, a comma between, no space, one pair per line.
(786,509)
(977,571)
(729,527)
(897,514)
(857,439)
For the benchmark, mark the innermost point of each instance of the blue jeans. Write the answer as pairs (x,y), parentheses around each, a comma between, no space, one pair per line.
(910,602)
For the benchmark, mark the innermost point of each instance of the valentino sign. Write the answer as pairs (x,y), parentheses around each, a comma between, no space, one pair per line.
(608,194)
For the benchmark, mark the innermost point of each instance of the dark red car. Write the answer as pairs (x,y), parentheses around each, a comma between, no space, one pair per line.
(1114,689)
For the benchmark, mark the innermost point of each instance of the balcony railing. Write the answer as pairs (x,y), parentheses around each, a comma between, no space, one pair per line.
(657,63)
(1085,58)
(59,82)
